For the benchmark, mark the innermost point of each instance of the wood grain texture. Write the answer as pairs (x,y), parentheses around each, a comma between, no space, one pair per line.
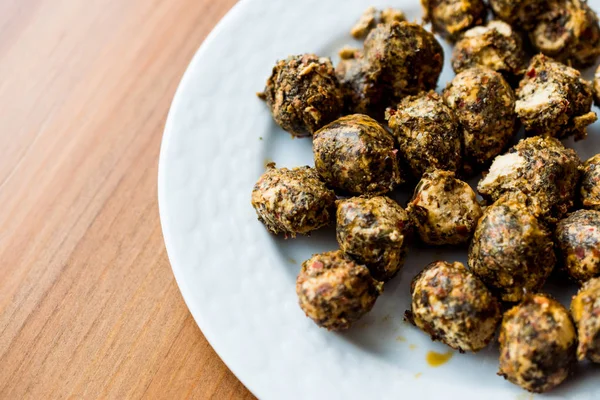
(89,307)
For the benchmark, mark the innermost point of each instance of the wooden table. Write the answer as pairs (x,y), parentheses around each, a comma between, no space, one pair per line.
(89,307)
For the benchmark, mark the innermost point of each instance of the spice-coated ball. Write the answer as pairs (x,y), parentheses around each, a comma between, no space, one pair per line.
(537,344)
(292,201)
(495,46)
(444,210)
(541,168)
(356,155)
(375,232)
(578,242)
(450,18)
(512,251)
(335,291)
(554,100)
(303,94)
(585,308)
(453,306)
(589,191)
(483,103)
(427,132)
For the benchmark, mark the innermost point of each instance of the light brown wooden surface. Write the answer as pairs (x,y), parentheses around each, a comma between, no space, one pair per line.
(89,307)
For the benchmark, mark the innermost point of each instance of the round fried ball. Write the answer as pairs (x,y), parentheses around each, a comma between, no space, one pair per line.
(537,344)
(585,308)
(578,241)
(484,104)
(403,59)
(568,31)
(335,291)
(554,100)
(521,13)
(495,46)
(292,201)
(375,232)
(444,210)
(356,155)
(589,191)
(512,251)
(450,18)
(543,169)
(453,306)
(303,94)
(427,132)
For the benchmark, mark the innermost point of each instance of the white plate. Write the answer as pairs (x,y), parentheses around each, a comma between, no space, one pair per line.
(239,282)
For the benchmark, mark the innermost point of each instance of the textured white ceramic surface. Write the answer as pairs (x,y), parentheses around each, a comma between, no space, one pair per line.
(239,282)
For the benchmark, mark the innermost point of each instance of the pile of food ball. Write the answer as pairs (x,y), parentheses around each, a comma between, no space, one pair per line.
(376,123)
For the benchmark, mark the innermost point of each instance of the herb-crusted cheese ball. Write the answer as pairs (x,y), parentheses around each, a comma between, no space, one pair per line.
(521,13)
(585,308)
(334,291)
(292,201)
(495,46)
(537,344)
(512,251)
(543,169)
(375,232)
(568,31)
(450,18)
(484,104)
(444,210)
(356,155)
(554,100)
(303,94)
(589,191)
(405,58)
(453,306)
(427,132)
(578,241)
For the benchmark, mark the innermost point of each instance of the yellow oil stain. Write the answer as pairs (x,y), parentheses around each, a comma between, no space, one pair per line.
(292,260)
(268,162)
(525,396)
(387,318)
(364,325)
(418,375)
(438,359)
(412,347)
(400,339)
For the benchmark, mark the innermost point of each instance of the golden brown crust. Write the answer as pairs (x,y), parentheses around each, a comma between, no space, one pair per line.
(453,306)
(375,232)
(537,344)
(356,155)
(334,291)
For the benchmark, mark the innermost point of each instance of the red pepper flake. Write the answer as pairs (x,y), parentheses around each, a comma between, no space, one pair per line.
(318,265)
(580,253)
(531,73)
